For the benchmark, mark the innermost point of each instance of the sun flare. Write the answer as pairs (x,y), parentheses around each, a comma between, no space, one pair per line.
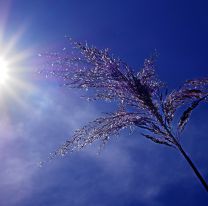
(4,71)
(14,69)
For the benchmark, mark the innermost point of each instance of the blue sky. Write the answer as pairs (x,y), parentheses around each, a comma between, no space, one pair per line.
(131,170)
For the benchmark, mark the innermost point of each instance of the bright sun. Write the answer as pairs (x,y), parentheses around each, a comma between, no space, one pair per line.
(4,71)
(15,64)
(13,69)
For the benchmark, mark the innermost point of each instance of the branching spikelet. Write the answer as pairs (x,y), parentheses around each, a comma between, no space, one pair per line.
(110,79)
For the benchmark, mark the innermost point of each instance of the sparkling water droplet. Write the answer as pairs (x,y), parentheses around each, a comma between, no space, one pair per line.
(40,164)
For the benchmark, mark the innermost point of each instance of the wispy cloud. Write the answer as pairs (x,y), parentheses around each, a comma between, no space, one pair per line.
(129,169)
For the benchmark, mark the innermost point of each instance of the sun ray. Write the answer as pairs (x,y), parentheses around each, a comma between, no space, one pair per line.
(13,41)
(20,56)
(13,72)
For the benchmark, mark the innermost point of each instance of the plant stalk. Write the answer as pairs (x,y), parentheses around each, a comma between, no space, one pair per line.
(196,171)
(178,145)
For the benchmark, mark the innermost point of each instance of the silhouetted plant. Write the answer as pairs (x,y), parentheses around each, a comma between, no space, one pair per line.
(143,100)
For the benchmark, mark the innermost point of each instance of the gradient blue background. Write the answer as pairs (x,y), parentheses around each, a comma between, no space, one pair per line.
(131,170)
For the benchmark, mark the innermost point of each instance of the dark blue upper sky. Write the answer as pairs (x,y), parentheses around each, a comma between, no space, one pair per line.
(131,170)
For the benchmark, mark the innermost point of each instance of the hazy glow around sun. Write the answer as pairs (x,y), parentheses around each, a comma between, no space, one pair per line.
(4,71)
(14,69)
